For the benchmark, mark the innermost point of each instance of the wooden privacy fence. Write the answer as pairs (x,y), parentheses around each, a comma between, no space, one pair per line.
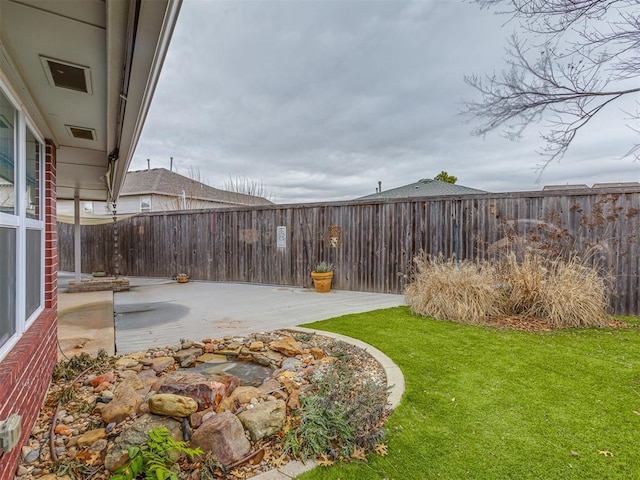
(371,243)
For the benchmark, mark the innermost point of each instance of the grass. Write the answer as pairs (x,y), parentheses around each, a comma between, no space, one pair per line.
(491,404)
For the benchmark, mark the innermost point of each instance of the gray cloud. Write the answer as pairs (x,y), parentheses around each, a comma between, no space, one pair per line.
(321,99)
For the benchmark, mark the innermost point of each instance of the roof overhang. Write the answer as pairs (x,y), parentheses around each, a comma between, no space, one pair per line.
(119,46)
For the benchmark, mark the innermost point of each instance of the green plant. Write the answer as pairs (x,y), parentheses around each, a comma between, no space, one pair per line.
(157,459)
(343,410)
(482,403)
(324,267)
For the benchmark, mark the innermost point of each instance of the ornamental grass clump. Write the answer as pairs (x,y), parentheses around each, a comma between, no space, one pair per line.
(464,292)
(560,292)
(563,292)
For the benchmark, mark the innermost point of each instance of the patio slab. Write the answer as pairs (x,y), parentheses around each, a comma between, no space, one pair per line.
(159,312)
(85,323)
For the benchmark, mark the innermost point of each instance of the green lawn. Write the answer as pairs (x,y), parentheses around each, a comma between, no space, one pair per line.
(488,404)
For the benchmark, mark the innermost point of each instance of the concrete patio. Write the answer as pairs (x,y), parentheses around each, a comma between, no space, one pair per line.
(159,312)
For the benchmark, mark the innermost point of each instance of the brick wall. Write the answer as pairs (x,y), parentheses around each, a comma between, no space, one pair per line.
(25,372)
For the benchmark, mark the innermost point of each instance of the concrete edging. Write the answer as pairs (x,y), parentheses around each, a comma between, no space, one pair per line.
(395,384)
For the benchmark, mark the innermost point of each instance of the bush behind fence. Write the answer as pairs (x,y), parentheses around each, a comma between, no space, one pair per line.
(371,243)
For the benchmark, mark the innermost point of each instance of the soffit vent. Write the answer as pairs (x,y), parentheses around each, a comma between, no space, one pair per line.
(81,133)
(67,75)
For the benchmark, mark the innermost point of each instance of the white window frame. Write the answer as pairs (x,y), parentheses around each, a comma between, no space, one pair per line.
(19,220)
(142,199)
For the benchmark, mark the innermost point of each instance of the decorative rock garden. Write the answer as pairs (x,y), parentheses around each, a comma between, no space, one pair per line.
(246,405)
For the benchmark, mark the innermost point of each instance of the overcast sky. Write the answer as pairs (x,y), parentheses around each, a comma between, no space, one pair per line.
(320,100)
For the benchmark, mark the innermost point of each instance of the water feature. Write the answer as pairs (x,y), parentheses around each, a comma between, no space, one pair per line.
(251,374)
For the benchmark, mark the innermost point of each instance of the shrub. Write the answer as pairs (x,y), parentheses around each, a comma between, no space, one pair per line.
(342,410)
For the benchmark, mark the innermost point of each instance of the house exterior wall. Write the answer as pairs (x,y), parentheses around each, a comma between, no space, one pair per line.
(26,371)
(159,203)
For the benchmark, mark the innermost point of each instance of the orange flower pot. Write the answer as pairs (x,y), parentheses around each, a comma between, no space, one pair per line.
(322,281)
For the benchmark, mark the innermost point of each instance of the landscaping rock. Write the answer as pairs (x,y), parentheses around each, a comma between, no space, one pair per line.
(160,364)
(264,419)
(125,402)
(105,377)
(171,405)
(136,434)
(212,358)
(288,346)
(224,437)
(187,357)
(91,436)
(256,346)
(204,393)
(244,394)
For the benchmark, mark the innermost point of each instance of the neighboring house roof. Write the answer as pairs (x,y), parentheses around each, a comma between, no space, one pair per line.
(160,181)
(427,187)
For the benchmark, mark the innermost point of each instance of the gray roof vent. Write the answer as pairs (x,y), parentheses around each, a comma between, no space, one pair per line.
(81,133)
(67,75)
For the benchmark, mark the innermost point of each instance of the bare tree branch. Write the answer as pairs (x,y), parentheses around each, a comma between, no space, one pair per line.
(580,57)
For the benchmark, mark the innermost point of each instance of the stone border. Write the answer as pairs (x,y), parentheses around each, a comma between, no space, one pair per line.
(395,384)
(114,284)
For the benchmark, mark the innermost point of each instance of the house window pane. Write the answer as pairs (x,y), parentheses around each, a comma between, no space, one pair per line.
(34,166)
(7,156)
(34,271)
(7,284)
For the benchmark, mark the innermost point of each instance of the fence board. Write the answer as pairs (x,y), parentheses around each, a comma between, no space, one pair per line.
(377,240)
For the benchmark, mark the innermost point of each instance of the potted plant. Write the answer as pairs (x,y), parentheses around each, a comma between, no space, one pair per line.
(322,275)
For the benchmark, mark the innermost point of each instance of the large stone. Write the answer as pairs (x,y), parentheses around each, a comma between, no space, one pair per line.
(288,346)
(185,376)
(129,379)
(187,357)
(212,358)
(206,394)
(224,437)
(171,405)
(264,419)
(161,363)
(125,402)
(244,394)
(136,434)
(87,438)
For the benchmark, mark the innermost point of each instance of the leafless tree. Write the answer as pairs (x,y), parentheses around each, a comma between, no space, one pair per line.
(579,57)
(248,186)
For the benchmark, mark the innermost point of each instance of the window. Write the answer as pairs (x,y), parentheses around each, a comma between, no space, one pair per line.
(7,156)
(21,223)
(145,203)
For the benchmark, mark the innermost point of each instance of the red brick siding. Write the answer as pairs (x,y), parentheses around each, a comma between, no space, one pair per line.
(25,372)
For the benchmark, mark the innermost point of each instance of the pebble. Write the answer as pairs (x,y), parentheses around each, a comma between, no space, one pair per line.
(32,456)
(98,445)
(22,470)
(68,419)
(110,427)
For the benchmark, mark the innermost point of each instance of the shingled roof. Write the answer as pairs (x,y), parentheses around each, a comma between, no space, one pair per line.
(427,187)
(161,181)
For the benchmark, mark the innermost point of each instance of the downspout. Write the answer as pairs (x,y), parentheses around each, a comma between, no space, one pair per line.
(114,155)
